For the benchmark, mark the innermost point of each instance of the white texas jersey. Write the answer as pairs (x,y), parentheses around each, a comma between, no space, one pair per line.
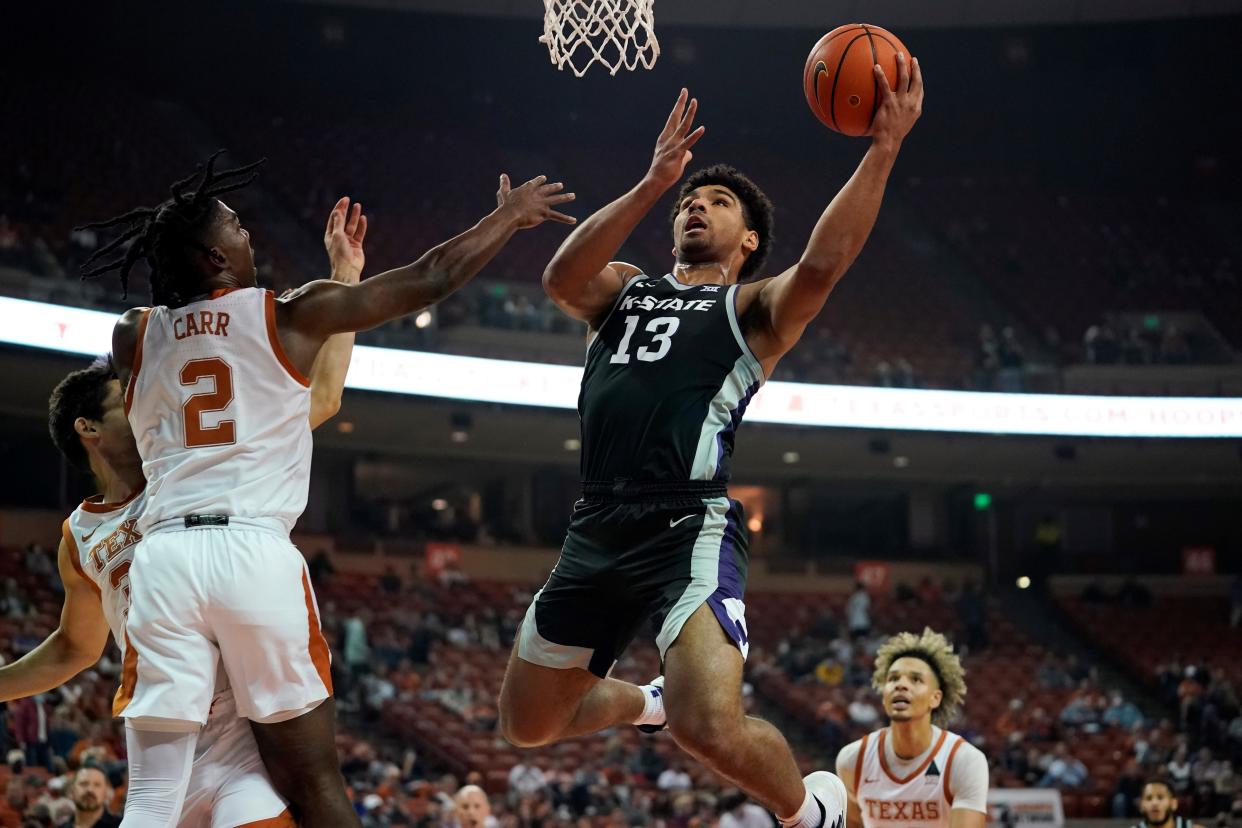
(219,413)
(913,795)
(100,538)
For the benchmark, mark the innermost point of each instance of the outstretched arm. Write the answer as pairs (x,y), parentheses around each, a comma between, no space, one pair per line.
(347,227)
(75,645)
(325,307)
(582,278)
(788,302)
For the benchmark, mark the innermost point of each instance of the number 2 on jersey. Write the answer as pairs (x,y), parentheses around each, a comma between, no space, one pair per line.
(206,402)
(662,326)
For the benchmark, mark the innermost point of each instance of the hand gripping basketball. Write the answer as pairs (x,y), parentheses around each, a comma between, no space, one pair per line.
(672,150)
(900,107)
(532,203)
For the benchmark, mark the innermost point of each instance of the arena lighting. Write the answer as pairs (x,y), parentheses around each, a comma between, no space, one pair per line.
(89,333)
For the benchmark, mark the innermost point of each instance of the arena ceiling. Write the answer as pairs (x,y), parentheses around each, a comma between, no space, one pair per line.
(821,13)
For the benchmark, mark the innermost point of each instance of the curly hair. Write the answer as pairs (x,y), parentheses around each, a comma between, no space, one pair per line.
(937,651)
(757,209)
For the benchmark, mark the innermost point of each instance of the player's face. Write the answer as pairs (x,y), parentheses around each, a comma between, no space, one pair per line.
(911,691)
(111,434)
(90,790)
(473,809)
(1157,804)
(233,241)
(710,226)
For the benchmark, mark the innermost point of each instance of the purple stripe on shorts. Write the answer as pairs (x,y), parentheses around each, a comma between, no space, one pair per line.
(729,581)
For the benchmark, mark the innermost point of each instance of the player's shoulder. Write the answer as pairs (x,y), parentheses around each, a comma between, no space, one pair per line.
(849,753)
(626,271)
(963,746)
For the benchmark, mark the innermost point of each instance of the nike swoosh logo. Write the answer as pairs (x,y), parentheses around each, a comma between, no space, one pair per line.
(870,781)
(89,535)
(820,69)
(672,523)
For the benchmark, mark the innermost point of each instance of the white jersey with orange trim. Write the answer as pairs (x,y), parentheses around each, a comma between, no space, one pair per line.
(228,784)
(220,415)
(892,792)
(101,538)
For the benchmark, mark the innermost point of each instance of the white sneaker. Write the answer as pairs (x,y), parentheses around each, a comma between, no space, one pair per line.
(829,791)
(656,686)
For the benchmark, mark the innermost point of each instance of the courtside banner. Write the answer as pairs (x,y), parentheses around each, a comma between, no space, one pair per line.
(1025,807)
(89,332)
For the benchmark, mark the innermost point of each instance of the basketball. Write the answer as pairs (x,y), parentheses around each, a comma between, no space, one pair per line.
(840,87)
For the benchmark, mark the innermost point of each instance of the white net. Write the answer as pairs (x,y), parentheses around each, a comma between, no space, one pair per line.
(615,33)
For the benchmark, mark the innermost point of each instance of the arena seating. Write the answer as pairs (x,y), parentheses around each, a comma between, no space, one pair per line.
(1185,630)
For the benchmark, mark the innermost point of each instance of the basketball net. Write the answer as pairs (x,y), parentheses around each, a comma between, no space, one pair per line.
(616,33)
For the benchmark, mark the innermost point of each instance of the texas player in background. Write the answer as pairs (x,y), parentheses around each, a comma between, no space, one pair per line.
(913,773)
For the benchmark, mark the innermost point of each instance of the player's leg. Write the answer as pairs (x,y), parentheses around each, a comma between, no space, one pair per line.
(703,702)
(300,756)
(279,668)
(160,763)
(703,640)
(556,685)
(168,675)
(541,705)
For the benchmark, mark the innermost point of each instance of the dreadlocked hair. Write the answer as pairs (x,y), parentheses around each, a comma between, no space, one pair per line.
(81,394)
(937,651)
(164,233)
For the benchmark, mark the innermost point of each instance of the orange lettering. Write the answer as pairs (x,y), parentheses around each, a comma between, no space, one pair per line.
(204,322)
(179,332)
(916,810)
(933,810)
(222,324)
(191,326)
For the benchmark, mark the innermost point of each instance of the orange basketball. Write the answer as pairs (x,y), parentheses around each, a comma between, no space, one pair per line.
(840,87)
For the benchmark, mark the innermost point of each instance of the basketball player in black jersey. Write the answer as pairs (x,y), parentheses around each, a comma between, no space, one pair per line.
(673,363)
(1158,804)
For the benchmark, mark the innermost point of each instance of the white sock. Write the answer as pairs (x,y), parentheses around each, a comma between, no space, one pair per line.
(653,705)
(810,815)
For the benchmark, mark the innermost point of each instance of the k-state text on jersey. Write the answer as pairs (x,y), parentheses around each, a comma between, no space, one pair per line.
(650,303)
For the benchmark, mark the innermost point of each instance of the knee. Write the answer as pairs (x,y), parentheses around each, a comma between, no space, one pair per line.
(704,731)
(524,731)
(304,783)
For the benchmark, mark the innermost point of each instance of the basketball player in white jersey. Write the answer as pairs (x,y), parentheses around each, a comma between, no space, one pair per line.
(228,787)
(216,393)
(1158,805)
(913,773)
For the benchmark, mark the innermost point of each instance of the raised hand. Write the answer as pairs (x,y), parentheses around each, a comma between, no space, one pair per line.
(343,240)
(532,203)
(672,150)
(899,108)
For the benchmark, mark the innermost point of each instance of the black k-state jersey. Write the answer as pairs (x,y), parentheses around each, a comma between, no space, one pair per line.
(668,378)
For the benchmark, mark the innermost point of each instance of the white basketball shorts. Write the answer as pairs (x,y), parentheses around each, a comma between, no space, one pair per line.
(237,596)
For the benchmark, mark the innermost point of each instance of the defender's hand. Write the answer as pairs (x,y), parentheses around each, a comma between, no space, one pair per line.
(531,204)
(343,240)
(900,107)
(672,151)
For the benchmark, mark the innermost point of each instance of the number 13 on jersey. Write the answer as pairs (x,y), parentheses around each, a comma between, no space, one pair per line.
(663,328)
